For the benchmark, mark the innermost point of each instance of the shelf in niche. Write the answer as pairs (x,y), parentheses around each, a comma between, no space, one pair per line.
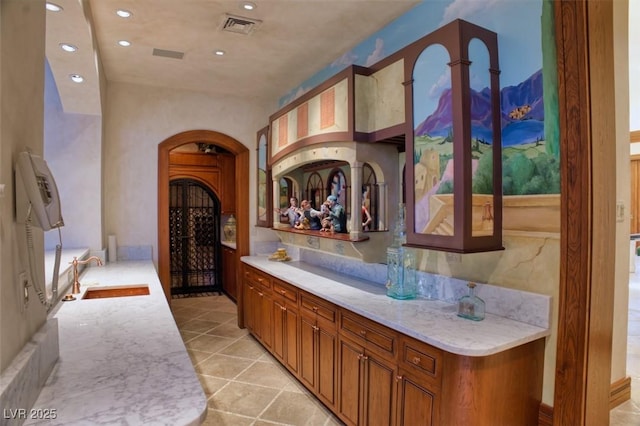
(328,235)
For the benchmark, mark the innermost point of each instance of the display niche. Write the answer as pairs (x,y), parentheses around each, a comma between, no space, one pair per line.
(454,183)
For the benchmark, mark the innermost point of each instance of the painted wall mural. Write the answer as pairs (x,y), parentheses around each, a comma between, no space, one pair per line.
(529,112)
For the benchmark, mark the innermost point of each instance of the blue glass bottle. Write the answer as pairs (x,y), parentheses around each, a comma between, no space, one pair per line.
(401,263)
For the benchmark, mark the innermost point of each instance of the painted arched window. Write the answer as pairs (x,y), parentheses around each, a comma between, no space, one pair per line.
(370,195)
(337,185)
(315,190)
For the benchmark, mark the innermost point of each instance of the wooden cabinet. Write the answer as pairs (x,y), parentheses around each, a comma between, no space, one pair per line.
(318,347)
(229,268)
(257,305)
(419,379)
(369,374)
(368,371)
(286,325)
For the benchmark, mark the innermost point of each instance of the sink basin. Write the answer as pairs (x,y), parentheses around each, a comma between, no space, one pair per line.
(116,291)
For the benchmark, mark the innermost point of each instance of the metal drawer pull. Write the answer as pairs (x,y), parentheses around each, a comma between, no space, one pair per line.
(416,360)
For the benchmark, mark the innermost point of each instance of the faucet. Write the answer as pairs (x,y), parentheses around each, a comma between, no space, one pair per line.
(75,262)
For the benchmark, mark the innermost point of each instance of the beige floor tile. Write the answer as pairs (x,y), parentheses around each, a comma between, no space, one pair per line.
(207,343)
(188,335)
(228,330)
(199,326)
(221,317)
(223,366)
(218,418)
(266,374)
(243,399)
(296,409)
(245,347)
(198,356)
(211,385)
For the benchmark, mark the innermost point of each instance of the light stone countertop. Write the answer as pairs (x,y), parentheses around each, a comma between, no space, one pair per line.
(432,322)
(122,360)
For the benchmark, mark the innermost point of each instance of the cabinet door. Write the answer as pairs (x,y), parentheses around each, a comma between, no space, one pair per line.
(327,341)
(307,351)
(379,391)
(279,320)
(249,305)
(416,403)
(265,318)
(350,382)
(291,331)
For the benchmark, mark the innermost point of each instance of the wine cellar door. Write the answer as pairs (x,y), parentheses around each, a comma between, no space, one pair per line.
(194,232)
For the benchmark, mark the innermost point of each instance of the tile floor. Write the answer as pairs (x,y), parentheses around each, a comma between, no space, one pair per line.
(628,413)
(244,384)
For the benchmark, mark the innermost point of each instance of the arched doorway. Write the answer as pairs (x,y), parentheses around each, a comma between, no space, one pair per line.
(194,238)
(241,188)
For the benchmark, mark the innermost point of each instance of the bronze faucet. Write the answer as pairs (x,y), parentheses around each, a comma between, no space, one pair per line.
(75,262)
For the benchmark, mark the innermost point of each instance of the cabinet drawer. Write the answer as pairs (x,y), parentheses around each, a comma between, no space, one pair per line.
(283,289)
(421,357)
(370,334)
(255,276)
(322,309)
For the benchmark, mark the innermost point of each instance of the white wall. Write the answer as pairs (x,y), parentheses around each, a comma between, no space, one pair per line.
(22,35)
(634,65)
(137,119)
(72,148)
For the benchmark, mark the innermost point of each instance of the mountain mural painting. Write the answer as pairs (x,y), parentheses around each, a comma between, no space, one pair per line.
(527,168)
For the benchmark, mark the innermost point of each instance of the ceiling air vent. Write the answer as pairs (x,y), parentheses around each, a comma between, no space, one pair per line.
(240,25)
(168,53)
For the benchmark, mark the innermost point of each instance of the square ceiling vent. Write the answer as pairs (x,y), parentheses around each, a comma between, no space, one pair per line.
(239,24)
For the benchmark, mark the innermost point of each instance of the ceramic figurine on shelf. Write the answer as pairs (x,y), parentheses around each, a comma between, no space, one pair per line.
(337,215)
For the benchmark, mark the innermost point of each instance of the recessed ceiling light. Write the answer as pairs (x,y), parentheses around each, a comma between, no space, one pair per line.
(76,78)
(68,47)
(124,43)
(219,52)
(53,7)
(123,13)
(247,5)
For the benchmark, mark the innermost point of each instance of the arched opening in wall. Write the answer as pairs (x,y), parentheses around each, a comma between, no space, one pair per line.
(337,185)
(194,238)
(238,185)
(370,196)
(315,191)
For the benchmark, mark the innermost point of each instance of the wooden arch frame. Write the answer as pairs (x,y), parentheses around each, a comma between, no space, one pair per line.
(241,154)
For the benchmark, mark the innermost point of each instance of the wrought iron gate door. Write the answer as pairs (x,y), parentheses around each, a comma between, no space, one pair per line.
(194,232)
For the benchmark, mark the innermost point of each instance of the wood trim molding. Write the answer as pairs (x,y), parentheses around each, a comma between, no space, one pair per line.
(619,393)
(241,155)
(634,136)
(583,362)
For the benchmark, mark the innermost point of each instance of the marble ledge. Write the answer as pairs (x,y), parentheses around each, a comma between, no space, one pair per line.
(122,359)
(433,322)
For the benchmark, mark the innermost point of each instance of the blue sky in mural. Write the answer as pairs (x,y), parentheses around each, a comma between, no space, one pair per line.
(517,23)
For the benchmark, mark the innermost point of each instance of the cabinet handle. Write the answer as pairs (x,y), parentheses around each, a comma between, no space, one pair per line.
(398,378)
(284,308)
(315,309)
(260,280)
(416,360)
(283,292)
(364,357)
(363,332)
(260,294)
(315,327)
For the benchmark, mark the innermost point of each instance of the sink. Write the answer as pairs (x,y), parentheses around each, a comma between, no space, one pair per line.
(116,291)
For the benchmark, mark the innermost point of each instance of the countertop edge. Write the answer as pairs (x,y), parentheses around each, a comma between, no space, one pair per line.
(392,317)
